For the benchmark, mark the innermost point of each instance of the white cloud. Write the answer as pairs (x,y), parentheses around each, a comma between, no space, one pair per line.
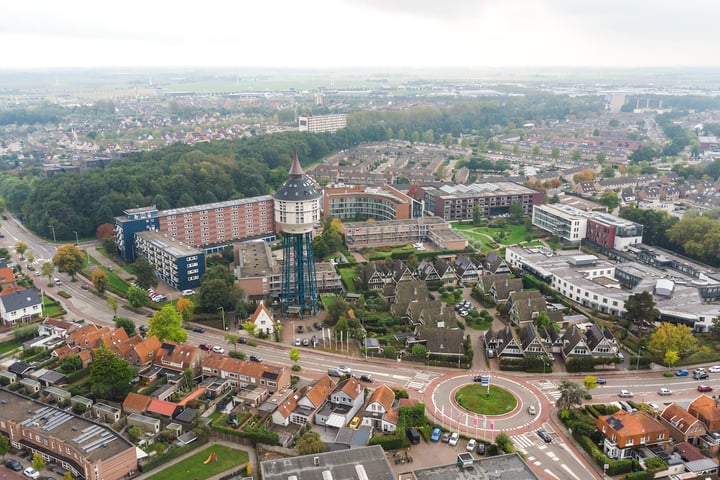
(342,33)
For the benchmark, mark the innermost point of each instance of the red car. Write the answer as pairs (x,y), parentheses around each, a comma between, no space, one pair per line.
(206,346)
(705,388)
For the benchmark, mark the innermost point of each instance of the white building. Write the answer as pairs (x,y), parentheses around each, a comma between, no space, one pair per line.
(322,123)
(567,223)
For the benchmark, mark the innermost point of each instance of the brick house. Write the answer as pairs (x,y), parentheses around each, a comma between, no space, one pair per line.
(626,431)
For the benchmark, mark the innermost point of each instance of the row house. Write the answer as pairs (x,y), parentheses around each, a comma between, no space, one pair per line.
(177,357)
(494,264)
(467,270)
(241,373)
(707,411)
(436,270)
(432,314)
(588,341)
(499,287)
(442,343)
(683,426)
(525,306)
(406,293)
(346,399)
(503,343)
(624,432)
(530,341)
(377,275)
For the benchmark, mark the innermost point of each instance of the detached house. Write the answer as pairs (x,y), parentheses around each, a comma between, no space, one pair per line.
(20,306)
(263,320)
(707,411)
(346,399)
(682,425)
(381,413)
(58,328)
(626,431)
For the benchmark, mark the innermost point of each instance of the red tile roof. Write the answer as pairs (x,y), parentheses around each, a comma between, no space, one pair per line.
(162,407)
(193,395)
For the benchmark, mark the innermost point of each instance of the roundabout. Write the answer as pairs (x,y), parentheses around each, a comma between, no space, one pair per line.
(490,400)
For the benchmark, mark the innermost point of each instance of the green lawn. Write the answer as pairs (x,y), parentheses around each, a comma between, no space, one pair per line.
(9,346)
(475,399)
(348,276)
(193,467)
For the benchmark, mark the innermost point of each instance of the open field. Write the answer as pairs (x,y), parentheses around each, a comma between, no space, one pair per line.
(193,466)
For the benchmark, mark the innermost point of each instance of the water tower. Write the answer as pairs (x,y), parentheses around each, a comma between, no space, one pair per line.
(297,211)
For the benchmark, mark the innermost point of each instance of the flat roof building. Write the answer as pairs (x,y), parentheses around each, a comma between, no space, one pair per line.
(353,202)
(179,265)
(399,232)
(322,123)
(367,462)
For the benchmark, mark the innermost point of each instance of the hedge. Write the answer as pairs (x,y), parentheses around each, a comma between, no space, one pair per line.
(256,434)
(639,476)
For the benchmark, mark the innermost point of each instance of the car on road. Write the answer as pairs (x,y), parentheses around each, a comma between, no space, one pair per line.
(218,349)
(544,435)
(206,346)
(700,375)
(714,369)
(187,293)
(57,281)
(198,330)
(143,328)
(85,286)
(37,273)
(344,370)
(242,340)
(682,373)
(664,391)
(435,435)
(334,372)
(477,378)
(532,410)
(366,378)
(625,394)
(300,329)
(454,439)
(255,358)
(704,388)
(14,465)
(601,381)
(30,472)
(445,437)
(472,443)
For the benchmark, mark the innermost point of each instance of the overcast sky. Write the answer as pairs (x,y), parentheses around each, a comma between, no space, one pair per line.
(358,33)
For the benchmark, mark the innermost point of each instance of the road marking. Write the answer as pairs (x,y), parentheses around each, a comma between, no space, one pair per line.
(551,473)
(567,469)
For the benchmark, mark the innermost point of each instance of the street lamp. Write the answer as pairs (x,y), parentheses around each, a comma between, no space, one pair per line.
(53,231)
(545,364)
(223,317)
(77,242)
(637,366)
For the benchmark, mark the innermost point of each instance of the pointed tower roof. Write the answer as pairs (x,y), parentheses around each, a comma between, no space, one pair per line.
(296,170)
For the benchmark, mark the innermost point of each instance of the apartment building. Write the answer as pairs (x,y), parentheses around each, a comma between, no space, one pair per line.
(348,202)
(209,226)
(399,232)
(178,264)
(458,202)
(322,123)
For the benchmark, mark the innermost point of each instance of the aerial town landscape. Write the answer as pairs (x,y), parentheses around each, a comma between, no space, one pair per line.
(311,271)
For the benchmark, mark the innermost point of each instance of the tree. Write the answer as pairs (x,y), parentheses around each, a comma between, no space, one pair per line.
(213,294)
(47,270)
(698,236)
(586,175)
(671,357)
(504,443)
(232,339)
(640,307)
(555,153)
(419,351)
(294,354)
(336,309)
(4,444)
(38,462)
(542,321)
(249,327)
(167,325)
(144,273)
(72,363)
(715,328)
(69,475)
(105,230)
(310,443)
(70,259)
(189,379)
(134,433)
(677,338)
(99,280)
(112,304)
(137,297)
(185,308)
(590,382)
(571,394)
(30,257)
(20,248)
(110,375)
(478,215)
(576,155)
(126,324)
(516,212)
(610,199)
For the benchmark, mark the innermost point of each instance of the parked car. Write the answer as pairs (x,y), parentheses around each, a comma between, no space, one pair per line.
(255,358)
(85,286)
(355,422)
(218,349)
(305,342)
(704,388)
(242,340)
(544,435)
(454,438)
(198,329)
(297,342)
(206,346)
(664,391)
(682,373)
(472,443)
(300,329)
(143,329)
(414,436)
(435,435)
(187,293)
(625,394)
(445,437)
(318,325)
(14,465)
(30,472)
(334,372)
(480,450)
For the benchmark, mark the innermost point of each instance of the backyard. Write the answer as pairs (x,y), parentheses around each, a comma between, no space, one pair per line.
(194,467)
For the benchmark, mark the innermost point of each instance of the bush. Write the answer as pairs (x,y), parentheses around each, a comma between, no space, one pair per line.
(639,476)
(296,368)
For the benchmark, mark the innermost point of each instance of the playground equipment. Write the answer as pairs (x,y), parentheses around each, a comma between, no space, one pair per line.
(211,458)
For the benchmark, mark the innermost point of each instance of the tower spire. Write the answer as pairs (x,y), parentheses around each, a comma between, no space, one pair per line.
(296,170)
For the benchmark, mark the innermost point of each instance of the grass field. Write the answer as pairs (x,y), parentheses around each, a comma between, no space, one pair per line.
(511,234)
(193,467)
(348,277)
(475,399)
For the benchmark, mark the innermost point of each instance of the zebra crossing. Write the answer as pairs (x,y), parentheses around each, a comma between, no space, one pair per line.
(550,389)
(524,441)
